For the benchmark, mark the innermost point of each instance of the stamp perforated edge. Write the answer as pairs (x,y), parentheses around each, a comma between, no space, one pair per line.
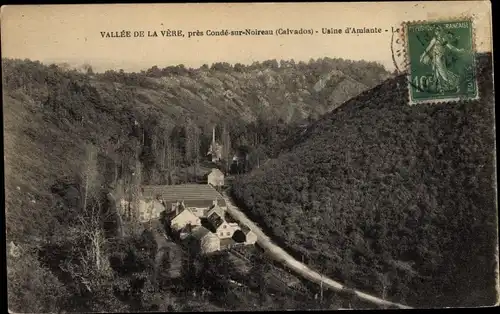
(406,63)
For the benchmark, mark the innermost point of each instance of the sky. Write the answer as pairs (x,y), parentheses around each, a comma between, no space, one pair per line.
(72,33)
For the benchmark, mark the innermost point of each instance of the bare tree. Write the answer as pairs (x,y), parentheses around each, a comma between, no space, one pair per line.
(188,139)
(89,175)
(136,187)
(196,148)
(154,141)
(163,152)
(134,178)
(112,199)
(192,146)
(92,263)
(172,158)
(385,284)
(188,151)
(226,147)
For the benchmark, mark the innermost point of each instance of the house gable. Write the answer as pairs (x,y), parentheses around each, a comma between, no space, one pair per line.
(184,218)
(215,178)
(226,230)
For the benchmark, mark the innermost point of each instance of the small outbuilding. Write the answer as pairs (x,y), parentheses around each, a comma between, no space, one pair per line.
(250,236)
(202,240)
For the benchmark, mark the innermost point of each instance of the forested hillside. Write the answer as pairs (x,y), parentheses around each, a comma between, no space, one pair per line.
(71,138)
(393,199)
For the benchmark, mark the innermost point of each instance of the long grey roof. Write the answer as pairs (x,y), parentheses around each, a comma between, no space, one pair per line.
(194,193)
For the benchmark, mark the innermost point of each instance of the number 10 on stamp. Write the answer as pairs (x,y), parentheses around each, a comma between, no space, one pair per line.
(441,58)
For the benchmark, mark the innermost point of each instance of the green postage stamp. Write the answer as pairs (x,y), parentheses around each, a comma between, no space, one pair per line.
(441,61)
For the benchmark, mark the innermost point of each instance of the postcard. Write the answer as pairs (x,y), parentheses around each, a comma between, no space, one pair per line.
(249,156)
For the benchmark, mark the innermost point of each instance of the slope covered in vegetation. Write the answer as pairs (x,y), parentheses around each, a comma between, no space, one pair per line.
(51,113)
(394,199)
(72,137)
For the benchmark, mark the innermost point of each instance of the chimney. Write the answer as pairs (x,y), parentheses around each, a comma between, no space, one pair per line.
(215,202)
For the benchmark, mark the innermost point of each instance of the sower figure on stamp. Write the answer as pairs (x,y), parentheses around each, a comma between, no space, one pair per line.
(436,54)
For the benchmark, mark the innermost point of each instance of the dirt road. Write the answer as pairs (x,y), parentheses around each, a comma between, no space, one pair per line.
(280,255)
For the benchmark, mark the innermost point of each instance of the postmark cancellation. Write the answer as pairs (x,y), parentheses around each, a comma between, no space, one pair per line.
(440,58)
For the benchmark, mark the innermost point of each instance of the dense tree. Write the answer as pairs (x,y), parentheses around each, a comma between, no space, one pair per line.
(238,67)
(87,68)
(221,66)
(395,195)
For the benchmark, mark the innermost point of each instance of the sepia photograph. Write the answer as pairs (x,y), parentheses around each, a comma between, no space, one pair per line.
(249,156)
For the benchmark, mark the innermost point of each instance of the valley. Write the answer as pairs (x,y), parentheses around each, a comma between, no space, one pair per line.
(354,191)
(73,136)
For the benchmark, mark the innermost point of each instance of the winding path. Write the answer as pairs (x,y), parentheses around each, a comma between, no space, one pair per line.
(280,255)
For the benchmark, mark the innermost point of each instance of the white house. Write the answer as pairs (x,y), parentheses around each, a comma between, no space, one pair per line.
(215,177)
